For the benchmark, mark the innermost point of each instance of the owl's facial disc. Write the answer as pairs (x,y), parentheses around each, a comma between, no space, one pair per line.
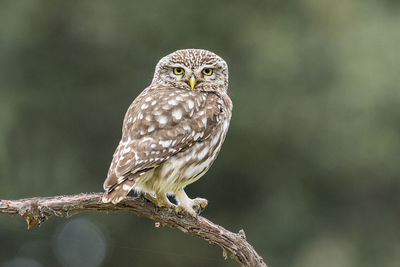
(192,69)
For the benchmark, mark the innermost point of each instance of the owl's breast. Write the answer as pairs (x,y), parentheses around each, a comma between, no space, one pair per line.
(205,133)
(187,166)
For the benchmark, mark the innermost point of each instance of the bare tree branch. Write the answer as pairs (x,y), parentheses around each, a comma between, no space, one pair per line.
(36,210)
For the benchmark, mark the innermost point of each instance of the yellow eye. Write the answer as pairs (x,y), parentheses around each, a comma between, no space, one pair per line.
(207,71)
(178,71)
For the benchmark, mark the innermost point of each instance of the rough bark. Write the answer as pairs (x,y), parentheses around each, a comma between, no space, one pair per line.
(38,209)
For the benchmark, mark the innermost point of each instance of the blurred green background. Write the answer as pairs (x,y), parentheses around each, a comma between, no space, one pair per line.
(310,167)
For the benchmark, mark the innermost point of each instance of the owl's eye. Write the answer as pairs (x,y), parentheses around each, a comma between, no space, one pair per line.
(178,71)
(207,71)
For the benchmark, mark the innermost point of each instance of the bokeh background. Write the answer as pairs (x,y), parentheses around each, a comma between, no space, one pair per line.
(310,167)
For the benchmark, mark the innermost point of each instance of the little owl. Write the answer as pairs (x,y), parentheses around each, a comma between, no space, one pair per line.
(173,131)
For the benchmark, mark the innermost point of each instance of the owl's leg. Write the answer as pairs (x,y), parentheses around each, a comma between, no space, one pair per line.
(163,201)
(191,206)
(160,200)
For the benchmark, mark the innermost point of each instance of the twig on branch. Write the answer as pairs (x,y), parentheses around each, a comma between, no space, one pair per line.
(38,209)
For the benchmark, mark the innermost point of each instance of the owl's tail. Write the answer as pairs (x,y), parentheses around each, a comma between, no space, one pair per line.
(119,192)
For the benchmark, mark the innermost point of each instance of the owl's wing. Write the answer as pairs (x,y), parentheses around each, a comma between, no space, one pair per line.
(159,124)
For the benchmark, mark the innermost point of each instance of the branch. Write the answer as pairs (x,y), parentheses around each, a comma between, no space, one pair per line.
(38,209)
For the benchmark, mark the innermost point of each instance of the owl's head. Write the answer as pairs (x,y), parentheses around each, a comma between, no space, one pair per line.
(192,69)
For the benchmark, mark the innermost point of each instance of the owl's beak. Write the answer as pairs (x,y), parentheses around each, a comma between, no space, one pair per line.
(192,81)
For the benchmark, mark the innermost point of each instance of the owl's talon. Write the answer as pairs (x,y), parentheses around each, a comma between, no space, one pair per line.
(182,210)
(191,206)
(178,209)
(192,213)
(150,198)
(199,204)
(201,201)
(165,205)
(163,202)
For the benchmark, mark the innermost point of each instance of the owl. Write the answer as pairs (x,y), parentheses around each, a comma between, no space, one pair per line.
(173,131)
